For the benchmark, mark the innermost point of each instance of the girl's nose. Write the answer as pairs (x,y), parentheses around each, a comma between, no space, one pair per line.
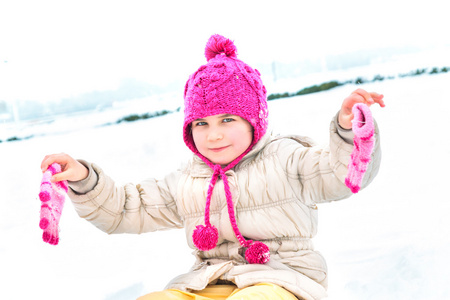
(215,135)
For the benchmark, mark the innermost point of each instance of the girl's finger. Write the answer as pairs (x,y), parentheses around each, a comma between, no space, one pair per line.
(381,103)
(366,96)
(43,162)
(49,159)
(61,176)
(380,100)
(376,95)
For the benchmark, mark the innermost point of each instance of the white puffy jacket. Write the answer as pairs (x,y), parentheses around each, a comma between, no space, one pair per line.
(275,190)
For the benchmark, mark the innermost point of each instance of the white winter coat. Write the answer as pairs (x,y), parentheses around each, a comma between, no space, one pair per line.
(275,190)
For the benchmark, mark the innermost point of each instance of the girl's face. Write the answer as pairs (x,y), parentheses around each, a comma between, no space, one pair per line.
(222,138)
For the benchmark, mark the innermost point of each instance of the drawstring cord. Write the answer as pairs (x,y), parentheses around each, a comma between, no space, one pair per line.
(206,237)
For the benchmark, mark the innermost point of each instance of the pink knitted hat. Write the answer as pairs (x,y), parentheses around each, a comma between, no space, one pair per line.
(225,85)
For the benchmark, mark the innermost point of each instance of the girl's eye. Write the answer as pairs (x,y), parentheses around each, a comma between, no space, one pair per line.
(227,120)
(200,124)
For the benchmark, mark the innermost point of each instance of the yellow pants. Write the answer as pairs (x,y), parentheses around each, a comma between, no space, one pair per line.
(259,291)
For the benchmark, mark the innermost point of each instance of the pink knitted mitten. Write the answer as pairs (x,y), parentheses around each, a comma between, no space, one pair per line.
(52,196)
(363,128)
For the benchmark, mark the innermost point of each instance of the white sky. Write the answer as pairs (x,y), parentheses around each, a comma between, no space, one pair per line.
(60,48)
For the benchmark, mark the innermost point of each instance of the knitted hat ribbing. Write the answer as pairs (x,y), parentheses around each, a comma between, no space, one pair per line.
(225,85)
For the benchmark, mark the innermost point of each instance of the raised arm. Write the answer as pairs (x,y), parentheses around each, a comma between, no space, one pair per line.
(148,206)
(321,170)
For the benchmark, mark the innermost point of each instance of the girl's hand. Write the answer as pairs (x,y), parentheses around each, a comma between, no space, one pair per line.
(71,169)
(358,96)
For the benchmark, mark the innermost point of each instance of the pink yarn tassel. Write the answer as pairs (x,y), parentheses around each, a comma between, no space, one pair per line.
(257,253)
(363,128)
(52,196)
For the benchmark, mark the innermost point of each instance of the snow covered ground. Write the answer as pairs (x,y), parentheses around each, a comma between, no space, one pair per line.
(390,241)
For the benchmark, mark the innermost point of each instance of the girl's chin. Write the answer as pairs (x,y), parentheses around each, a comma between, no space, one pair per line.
(220,162)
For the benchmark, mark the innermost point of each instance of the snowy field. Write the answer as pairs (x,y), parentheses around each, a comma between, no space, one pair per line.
(390,241)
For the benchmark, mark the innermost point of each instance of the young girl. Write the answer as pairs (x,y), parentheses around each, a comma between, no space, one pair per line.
(247,200)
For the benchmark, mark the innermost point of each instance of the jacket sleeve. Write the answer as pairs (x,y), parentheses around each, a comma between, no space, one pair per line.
(321,170)
(145,207)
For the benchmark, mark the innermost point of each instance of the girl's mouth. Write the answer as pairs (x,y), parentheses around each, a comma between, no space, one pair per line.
(218,149)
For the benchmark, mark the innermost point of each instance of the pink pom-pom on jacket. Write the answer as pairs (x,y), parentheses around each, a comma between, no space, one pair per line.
(52,196)
(364,129)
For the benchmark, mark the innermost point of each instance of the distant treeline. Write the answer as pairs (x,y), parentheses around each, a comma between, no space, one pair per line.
(360,80)
(308,90)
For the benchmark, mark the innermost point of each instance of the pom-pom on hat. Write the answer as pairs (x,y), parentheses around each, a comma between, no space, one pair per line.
(225,85)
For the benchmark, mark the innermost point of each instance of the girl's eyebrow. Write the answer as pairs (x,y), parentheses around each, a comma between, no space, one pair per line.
(219,116)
